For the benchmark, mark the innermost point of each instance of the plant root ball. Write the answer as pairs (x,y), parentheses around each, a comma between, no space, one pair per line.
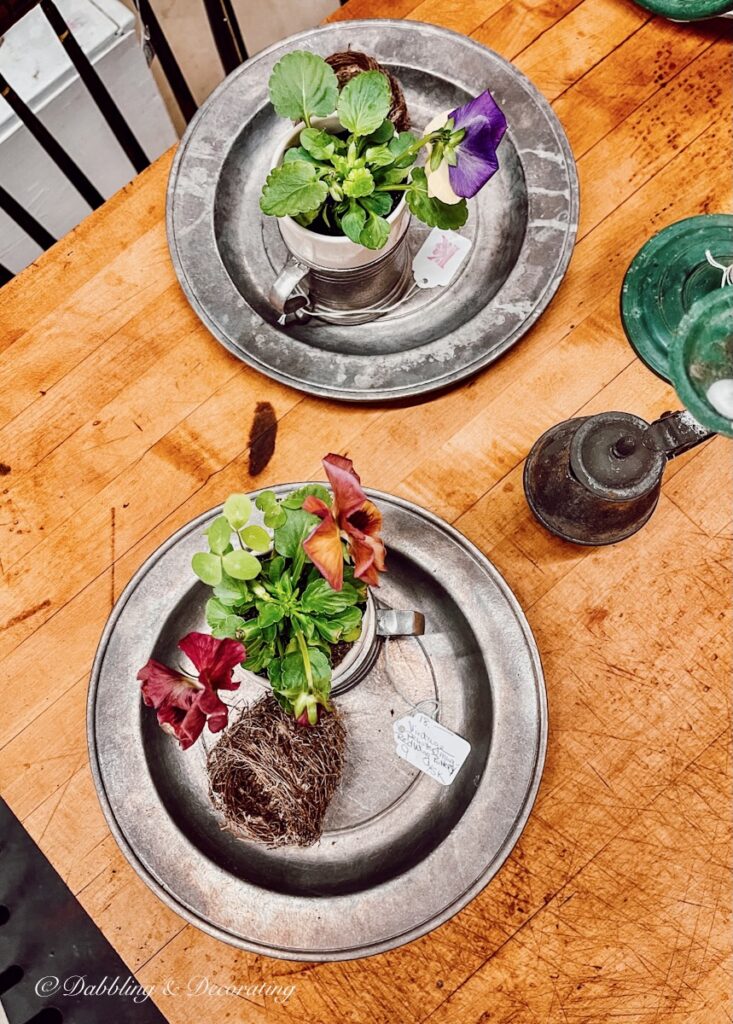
(273,779)
(350,63)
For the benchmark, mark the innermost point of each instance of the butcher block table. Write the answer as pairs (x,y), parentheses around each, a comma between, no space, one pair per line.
(121,418)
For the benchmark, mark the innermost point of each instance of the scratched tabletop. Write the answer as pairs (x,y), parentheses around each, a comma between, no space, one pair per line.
(121,419)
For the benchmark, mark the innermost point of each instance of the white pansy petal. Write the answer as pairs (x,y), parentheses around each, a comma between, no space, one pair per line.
(437,122)
(439,186)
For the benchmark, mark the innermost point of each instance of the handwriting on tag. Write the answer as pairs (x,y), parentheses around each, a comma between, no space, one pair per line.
(439,258)
(429,746)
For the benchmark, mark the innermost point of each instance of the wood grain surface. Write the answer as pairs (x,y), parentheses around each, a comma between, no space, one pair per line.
(121,418)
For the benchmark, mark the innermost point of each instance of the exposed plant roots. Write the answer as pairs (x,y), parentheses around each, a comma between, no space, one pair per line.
(273,779)
(349,63)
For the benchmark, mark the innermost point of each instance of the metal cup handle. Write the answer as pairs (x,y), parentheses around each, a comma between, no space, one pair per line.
(392,622)
(290,278)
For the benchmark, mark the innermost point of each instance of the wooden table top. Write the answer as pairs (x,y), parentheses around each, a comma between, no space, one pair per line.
(121,418)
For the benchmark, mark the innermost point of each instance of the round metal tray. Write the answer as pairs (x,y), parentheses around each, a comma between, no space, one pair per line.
(523,224)
(400,853)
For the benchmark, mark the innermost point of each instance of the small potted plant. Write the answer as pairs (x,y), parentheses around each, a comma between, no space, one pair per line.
(290,601)
(344,180)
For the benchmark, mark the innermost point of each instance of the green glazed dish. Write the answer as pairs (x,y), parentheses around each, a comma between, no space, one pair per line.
(701,361)
(687,10)
(666,277)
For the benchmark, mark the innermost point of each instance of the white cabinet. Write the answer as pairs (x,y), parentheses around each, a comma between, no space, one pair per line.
(37,67)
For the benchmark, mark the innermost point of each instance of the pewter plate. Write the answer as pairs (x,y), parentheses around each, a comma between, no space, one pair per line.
(400,853)
(522,224)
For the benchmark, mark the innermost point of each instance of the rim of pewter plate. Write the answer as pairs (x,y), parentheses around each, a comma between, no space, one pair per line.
(547,166)
(666,276)
(383,916)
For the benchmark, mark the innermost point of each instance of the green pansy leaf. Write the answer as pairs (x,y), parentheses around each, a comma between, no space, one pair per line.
(207,567)
(306,219)
(431,211)
(349,619)
(379,156)
(275,517)
(275,568)
(296,498)
(256,538)
(317,143)
(237,509)
(269,614)
(303,85)
(383,134)
(353,221)
(218,535)
(241,565)
(364,102)
(290,536)
(379,203)
(274,673)
(265,500)
(358,182)
(298,153)
(330,630)
(399,144)
(321,671)
(309,628)
(392,175)
(216,612)
(231,592)
(292,189)
(293,677)
(229,627)
(375,232)
(321,598)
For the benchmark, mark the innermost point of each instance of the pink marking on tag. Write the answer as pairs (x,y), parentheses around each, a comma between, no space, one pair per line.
(443,253)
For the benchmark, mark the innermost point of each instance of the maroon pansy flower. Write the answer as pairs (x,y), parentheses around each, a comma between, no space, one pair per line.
(184,705)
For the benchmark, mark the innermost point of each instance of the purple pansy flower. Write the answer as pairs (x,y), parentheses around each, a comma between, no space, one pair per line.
(476,160)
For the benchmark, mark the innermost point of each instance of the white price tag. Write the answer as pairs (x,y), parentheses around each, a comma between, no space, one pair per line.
(429,746)
(439,258)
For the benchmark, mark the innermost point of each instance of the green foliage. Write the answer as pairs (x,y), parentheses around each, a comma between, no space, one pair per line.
(267,594)
(353,221)
(292,189)
(303,86)
(241,565)
(207,567)
(431,211)
(290,536)
(351,178)
(375,232)
(321,145)
(364,102)
(237,510)
(358,182)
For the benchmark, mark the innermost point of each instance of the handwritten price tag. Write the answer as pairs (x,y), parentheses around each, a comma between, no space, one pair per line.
(439,257)
(429,746)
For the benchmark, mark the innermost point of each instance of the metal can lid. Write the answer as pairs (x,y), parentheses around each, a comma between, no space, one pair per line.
(609,457)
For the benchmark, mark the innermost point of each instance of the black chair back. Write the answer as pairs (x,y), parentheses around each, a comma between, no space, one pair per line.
(230,46)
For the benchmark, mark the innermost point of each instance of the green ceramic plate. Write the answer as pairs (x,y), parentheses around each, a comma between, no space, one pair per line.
(701,361)
(687,10)
(668,274)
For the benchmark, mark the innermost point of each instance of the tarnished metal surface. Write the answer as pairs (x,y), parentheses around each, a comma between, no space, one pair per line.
(523,224)
(596,479)
(401,853)
(598,506)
